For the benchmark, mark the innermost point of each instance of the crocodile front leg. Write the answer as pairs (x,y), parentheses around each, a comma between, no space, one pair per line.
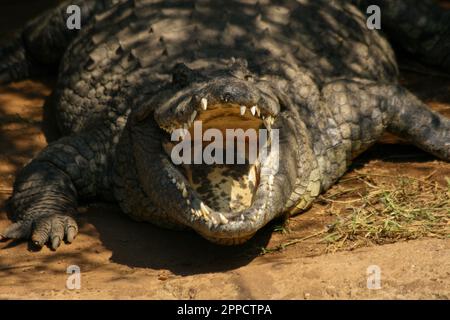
(47,189)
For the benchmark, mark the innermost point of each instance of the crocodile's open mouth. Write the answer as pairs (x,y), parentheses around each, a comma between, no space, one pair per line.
(220,151)
(222,170)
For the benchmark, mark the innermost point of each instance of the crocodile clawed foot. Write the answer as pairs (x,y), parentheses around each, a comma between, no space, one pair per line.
(51,229)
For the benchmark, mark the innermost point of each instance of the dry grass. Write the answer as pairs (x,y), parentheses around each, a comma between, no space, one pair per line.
(389,210)
(381,209)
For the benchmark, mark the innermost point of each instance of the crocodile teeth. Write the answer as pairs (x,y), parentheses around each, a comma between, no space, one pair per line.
(185,193)
(267,123)
(223,220)
(193,115)
(180,186)
(243,109)
(204,209)
(258,111)
(204,104)
(253,110)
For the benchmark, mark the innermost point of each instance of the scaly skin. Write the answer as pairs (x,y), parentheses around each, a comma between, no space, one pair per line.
(142,66)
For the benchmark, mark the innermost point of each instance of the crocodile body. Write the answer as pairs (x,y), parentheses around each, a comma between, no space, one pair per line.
(137,69)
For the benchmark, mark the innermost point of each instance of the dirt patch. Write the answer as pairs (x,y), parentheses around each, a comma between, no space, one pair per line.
(120,258)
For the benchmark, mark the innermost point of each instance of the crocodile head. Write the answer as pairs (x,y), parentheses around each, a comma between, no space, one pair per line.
(215,154)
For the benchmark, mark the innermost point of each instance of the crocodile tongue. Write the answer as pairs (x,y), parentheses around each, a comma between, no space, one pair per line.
(226,188)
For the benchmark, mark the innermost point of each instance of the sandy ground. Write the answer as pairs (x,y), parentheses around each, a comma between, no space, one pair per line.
(123,259)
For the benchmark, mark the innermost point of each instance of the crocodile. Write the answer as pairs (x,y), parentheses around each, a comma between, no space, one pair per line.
(139,71)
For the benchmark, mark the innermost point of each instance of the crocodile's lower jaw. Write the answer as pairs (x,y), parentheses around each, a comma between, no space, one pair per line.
(229,241)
